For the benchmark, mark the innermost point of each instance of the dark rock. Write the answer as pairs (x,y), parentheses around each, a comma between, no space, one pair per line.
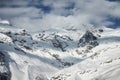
(41,77)
(4,65)
(59,42)
(27,47)
(18,49)
(100,30)
(88,39)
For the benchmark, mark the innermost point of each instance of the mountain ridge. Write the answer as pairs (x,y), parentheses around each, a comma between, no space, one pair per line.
(48,55)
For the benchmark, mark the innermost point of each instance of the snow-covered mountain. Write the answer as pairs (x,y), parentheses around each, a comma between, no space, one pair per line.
(84,53)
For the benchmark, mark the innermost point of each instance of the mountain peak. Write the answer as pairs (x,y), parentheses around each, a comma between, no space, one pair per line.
(88,39)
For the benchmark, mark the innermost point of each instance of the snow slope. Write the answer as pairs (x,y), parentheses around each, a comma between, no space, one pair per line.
(54,54)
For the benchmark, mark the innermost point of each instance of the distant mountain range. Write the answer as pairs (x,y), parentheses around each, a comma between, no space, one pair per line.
(91,53)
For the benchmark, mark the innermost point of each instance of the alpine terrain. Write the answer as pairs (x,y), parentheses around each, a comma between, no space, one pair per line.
(72,53)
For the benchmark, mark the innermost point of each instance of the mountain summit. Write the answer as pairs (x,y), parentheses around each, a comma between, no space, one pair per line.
(88,39)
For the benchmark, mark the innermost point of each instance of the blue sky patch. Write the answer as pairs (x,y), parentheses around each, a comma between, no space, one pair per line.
(116,22)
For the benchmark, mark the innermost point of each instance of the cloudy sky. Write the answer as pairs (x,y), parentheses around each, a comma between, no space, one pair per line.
(38,14)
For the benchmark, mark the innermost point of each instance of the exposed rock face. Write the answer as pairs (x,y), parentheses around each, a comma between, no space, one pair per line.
(41,77)
(59,42)
(88,39)
(100,30)
(4,68)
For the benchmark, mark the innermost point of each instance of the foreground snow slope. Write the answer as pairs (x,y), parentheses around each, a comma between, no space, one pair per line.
(102,64)
(54,54)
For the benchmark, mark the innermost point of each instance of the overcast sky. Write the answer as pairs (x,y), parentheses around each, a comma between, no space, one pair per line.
(36,14)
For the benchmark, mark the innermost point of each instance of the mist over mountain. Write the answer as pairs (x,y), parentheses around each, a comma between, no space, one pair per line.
(51,13)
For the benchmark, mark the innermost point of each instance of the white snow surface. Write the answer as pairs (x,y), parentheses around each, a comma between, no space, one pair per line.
(33,57)
(4,22)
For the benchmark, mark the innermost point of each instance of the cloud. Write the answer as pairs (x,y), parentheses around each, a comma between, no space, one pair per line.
(20,12)
(114,0)
(14,3)
(45,14)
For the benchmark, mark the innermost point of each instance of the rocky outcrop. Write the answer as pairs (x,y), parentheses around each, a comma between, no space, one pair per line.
(59,42)
(4,68)
(88,39)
